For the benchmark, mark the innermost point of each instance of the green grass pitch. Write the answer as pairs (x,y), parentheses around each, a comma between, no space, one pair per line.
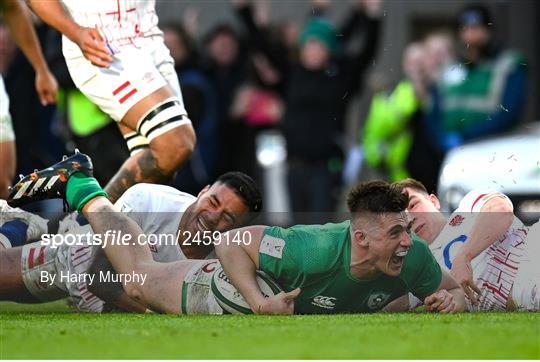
(53,331)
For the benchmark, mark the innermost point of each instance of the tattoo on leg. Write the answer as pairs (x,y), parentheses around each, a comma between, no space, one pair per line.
(142,167)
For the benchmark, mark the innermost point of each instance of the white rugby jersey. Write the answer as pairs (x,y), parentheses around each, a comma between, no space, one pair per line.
(123,23)
(157,209)
(495,268)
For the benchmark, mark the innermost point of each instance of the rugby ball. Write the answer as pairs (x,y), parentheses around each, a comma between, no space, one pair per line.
(231,300)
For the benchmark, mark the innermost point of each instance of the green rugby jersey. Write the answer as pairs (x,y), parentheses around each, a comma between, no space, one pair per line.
(317,258)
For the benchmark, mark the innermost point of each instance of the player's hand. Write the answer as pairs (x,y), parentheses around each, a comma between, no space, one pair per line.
(93,47)
(282,303)
(463,274)
(46,87)
(441,301)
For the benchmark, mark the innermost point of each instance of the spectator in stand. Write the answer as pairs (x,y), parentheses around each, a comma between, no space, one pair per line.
(201,105)
(440,52)
(317,90)
(388,135)
(424,159)
(484,93)
(224,62)
(258,105)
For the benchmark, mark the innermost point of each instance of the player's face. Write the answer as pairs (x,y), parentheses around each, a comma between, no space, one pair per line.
(389,242)
(424,211)
(218,208)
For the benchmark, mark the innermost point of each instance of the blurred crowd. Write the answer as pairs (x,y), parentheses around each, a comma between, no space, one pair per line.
(452,92)
(298,79)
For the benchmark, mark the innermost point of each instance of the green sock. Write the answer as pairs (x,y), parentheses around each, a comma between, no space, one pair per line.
(80,189)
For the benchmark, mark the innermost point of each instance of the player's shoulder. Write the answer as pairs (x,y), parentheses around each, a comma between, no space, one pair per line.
(419,248)
(144,196)
(475,199)
(314,247)
(311,235)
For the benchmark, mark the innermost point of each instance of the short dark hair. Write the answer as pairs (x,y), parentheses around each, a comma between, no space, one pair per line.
(410,183)
(245,187)
(376,197)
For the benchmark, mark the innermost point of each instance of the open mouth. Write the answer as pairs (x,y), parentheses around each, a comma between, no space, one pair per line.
(398,257)
(202,224)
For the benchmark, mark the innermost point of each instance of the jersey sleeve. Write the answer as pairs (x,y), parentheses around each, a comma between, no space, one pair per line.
(135,200)
(476,199)
(429,278)
(280,255)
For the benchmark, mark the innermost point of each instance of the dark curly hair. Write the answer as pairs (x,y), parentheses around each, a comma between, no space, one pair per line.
(244,186)
(376,197)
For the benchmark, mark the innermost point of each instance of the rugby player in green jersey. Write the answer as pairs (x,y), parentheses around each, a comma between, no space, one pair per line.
(352,267)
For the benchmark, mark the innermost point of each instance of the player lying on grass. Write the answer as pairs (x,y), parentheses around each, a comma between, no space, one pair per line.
(32,273)
(356,266)
(488,250)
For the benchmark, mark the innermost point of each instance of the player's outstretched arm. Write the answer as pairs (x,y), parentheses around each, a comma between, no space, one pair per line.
(89,40)
(160,291)
(19,22)
(111,293)
(449,298)
(494,219)
(240,261)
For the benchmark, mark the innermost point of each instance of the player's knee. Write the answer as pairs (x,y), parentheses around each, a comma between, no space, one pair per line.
(169,134)
(173,148)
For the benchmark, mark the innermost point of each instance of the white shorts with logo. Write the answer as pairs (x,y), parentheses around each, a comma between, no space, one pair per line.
(197,296)
(6,127)
(134,74)
(47,273)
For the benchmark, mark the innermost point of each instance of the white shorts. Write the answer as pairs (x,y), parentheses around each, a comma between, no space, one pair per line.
(526,288)
(6,127)
(39,265)
(56,273)
(197,296)
(133,75)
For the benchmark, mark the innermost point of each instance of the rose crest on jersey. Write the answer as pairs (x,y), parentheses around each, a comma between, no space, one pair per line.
(456,220)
